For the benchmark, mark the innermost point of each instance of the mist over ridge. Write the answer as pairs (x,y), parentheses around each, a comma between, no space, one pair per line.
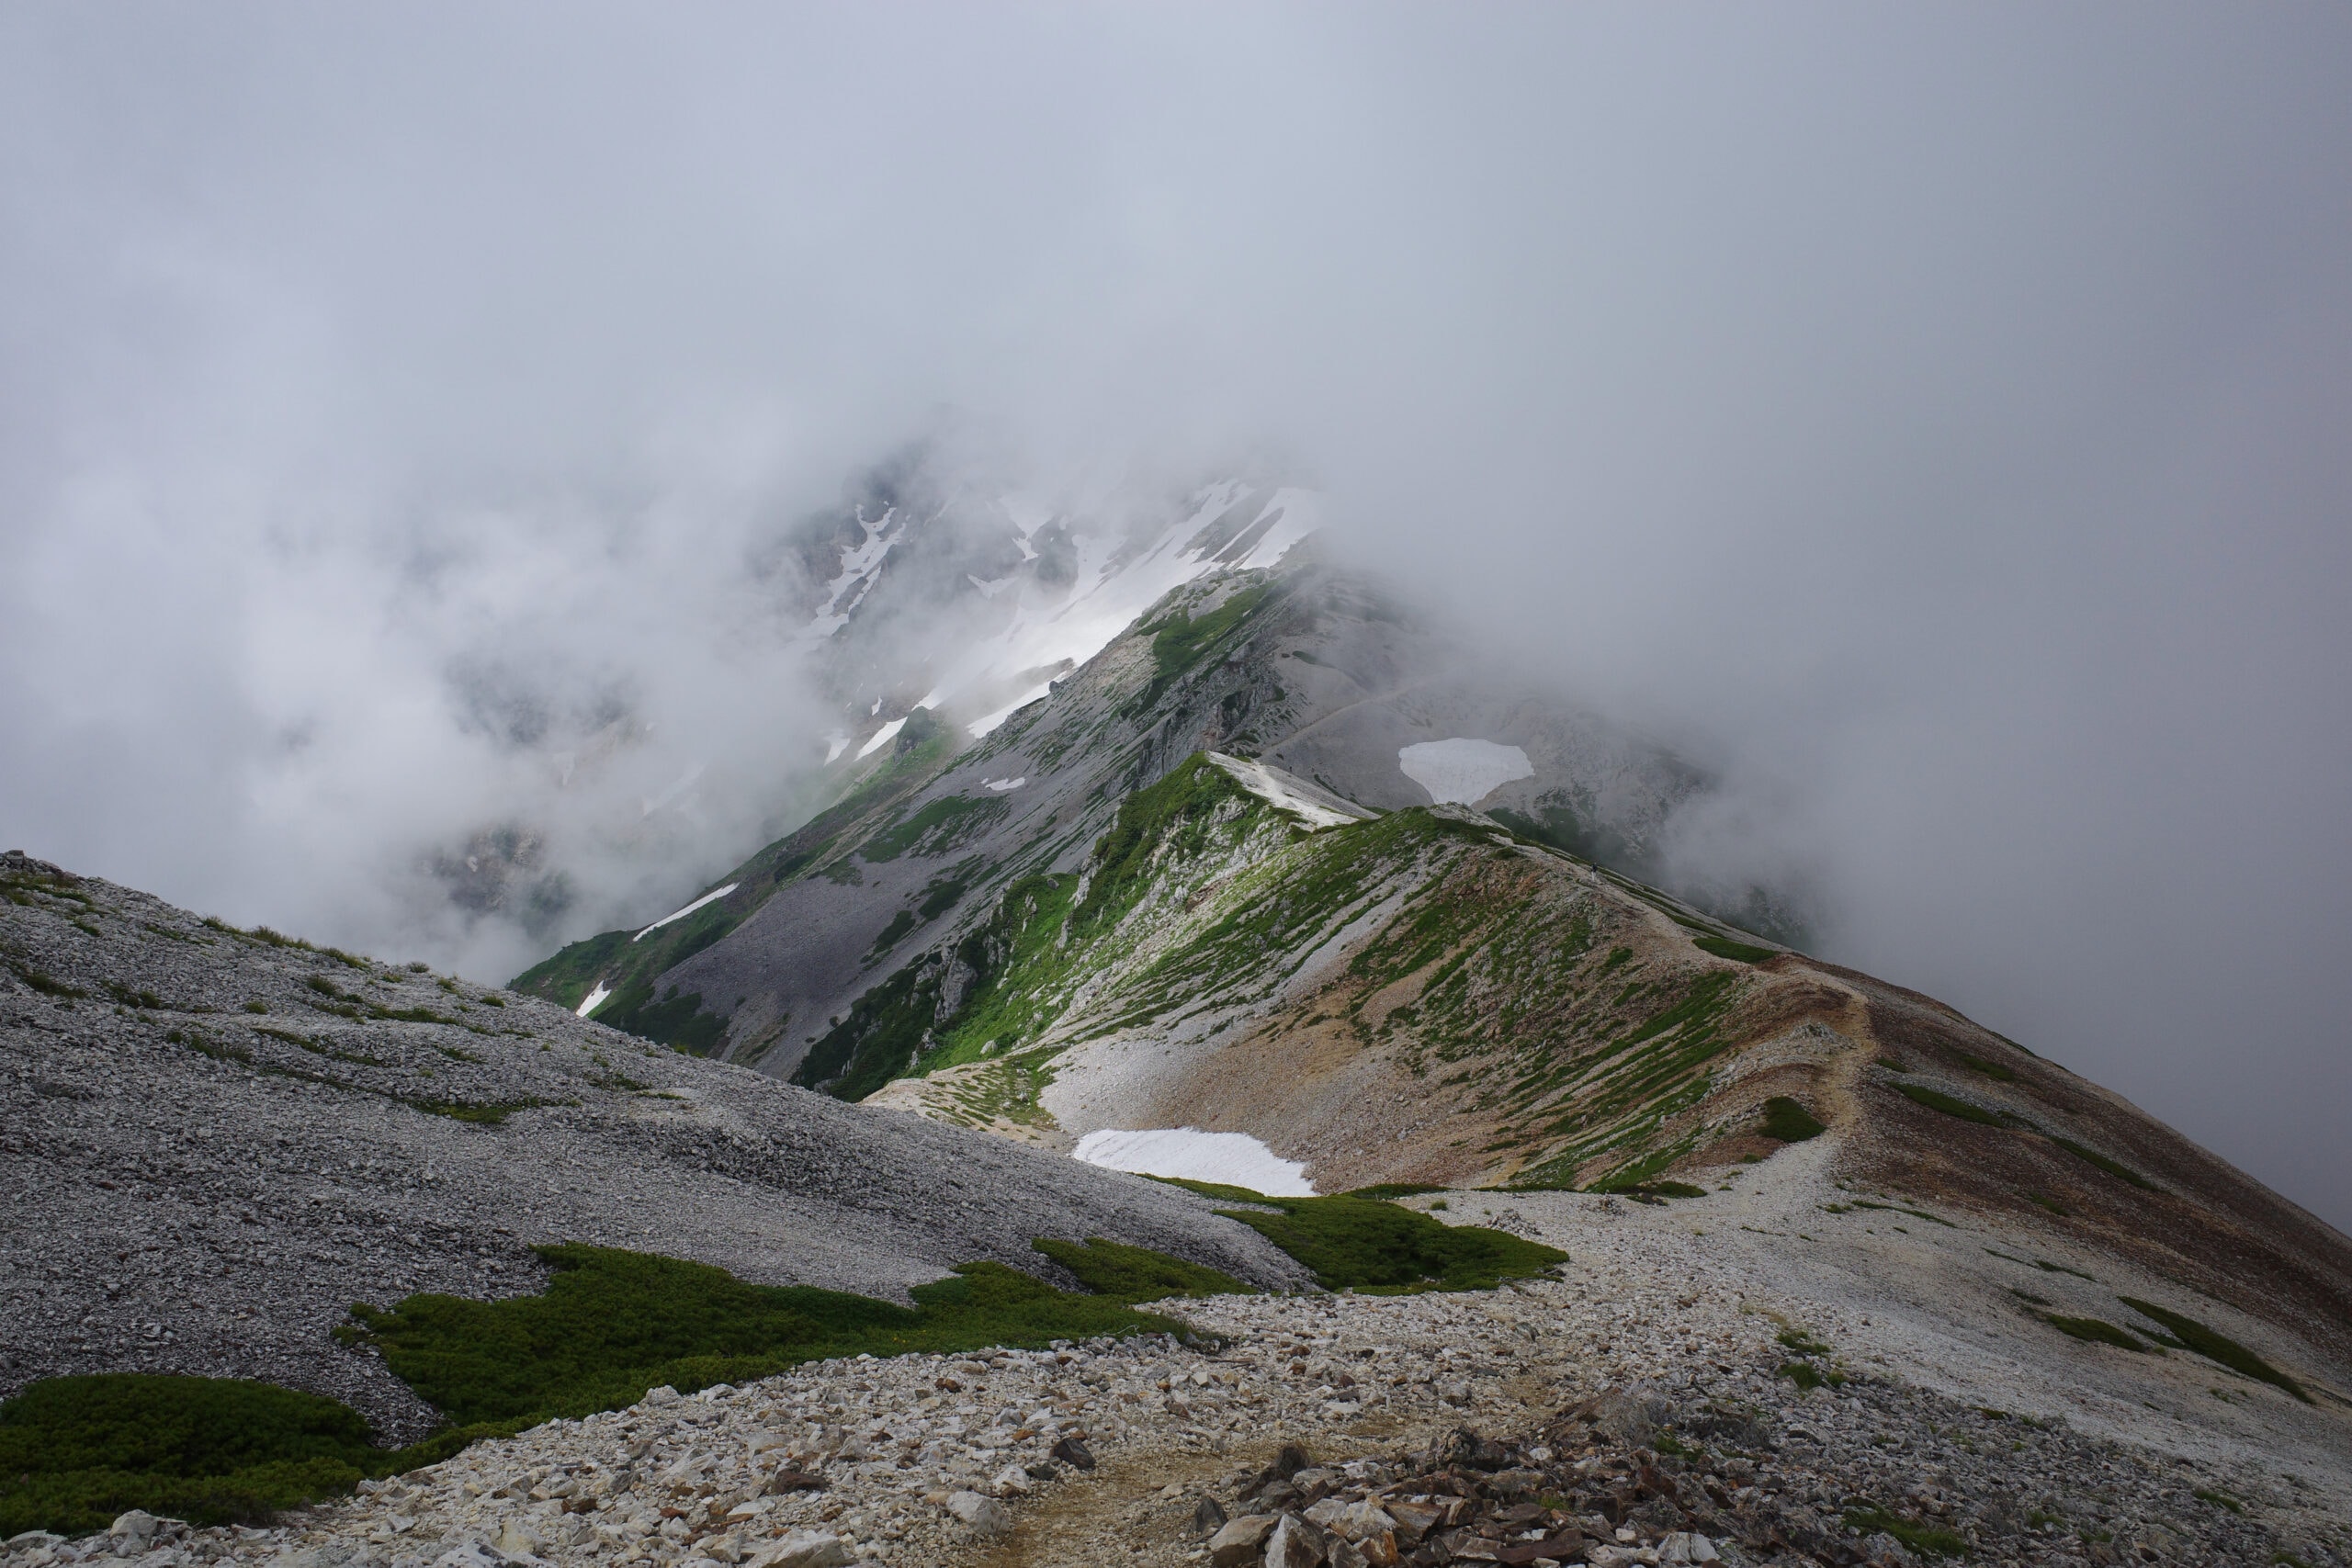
(1929,425)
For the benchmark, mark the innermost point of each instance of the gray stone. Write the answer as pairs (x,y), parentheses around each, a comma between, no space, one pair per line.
(802,1548)
(1295,1543)
(1239,1541)
(133,1530)
(985,1513)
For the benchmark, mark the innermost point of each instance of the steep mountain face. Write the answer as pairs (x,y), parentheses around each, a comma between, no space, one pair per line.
(1302,664)
(1278,861)
(214,1142)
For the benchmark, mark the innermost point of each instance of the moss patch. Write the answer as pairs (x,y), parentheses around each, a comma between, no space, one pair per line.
(1363,1243)
(1125,1273)
(2116,1168)
(1725,947)
(1919,1094)
(2216,1346)
(2097,1331)
(612,1325)
(77,1452)
(937,827)
(1927,1540)
(1179,641)
(1790,1122)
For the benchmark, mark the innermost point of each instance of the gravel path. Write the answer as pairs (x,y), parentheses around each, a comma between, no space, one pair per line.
(965,1460)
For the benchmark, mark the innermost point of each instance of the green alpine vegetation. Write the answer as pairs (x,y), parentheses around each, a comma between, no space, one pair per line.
(1202,896)
(1919,1094)
(77,1452)
(2097,1331)
(1122,1273)
(1379,1249)
(1790,1122)
(1179,640)
(2216,1346)
(613,1324)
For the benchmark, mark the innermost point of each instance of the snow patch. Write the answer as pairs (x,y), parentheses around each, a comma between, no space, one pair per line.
(835,744)
(1301,513)
(1235,1159)
(1115,580)
(1319,808)
(882,736)
(861,568)
(1462,770)
(987,722)
(595,998)
(682,914)
(1003,786)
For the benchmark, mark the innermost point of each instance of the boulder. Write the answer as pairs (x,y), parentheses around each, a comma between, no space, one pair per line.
(1295,1543)
(1630,1416)
(802,1548)
(130,1532)
(983,1514)
(1239,1541)
(516,1542)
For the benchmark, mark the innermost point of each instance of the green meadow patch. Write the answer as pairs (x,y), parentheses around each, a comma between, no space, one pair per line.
(77,1452)
(2216,1346)
(613,1324)
(1364,1243)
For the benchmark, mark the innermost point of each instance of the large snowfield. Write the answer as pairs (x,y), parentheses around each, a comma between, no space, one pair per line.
(1235,1159)
(1462,770)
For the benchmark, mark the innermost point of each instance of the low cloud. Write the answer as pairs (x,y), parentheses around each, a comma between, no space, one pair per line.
(1929,421)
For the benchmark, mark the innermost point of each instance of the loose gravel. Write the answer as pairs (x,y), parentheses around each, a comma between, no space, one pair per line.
(1139,1452)
(212,1143)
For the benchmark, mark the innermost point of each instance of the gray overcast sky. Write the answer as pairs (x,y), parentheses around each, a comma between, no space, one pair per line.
(1940,418)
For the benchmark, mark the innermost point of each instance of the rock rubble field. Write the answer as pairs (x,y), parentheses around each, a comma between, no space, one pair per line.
(214,1142)
(1607,1420)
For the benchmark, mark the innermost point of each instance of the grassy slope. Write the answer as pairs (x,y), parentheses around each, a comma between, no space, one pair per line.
(1482,967)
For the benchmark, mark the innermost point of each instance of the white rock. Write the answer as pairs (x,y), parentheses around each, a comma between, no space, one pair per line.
(980,1513)
(138,1525)
(802,1548)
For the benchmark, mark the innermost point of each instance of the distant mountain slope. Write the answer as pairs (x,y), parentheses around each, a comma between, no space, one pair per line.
(214,1142)
(1300,663)
(1424,997)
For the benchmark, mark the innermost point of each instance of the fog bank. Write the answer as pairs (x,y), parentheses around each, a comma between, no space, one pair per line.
(1932,420)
